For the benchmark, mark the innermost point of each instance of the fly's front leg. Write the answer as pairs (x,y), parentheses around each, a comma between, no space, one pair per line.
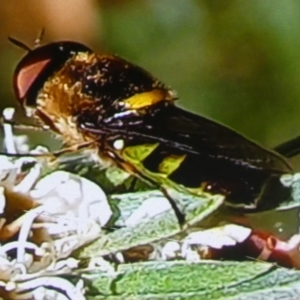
(72,148)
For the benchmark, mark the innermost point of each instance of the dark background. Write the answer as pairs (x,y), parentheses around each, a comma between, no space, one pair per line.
(236,61)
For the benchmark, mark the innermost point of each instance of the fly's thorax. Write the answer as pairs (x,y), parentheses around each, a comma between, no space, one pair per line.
(58,104)
(117,84)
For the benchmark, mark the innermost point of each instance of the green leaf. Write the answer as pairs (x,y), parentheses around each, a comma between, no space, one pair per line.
(205,280)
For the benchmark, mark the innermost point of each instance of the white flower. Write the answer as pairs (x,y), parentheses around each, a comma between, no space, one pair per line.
(62,212)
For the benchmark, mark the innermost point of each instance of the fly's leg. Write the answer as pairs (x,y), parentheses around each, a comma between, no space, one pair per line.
(190,208)
(180,216)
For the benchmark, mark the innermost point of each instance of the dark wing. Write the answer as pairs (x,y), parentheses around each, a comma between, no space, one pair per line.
(215,155)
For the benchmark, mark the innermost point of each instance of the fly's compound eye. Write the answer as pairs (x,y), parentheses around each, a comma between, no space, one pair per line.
(38,65)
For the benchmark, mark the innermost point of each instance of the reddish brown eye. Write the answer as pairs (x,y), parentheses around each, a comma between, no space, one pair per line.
(38,65)
(26,77)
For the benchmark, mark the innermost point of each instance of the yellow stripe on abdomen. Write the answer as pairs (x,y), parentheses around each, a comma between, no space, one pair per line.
(170,163)
(140,152)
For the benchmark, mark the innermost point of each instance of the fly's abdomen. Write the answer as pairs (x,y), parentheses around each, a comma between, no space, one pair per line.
(197,174)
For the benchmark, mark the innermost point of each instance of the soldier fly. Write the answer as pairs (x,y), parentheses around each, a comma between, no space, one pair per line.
(129,118)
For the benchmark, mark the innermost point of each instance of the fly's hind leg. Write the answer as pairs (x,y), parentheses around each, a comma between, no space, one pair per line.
(179,214)
(190,208)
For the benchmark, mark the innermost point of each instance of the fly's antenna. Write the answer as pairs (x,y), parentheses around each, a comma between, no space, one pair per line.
(38,40)
(19,44)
